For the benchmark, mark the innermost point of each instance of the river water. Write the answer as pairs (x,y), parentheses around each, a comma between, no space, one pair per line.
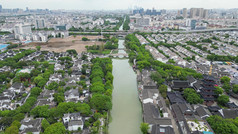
(126,110)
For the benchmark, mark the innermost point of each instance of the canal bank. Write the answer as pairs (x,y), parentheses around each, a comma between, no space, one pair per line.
(126,113)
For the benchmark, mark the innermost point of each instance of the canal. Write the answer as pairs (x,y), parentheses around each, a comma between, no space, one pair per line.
(126,111)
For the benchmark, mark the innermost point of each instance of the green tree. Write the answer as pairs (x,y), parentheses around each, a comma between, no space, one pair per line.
(19,117)
(52,86)
(58,97)
(45,124)
(83,108)
(101,102)
(144,127)
(57,128)
(218,91)
(222,126)
(42,83)
(223,99)
(227,87)
(36,91)
(16,123)
(235,88)
(38,48)
(108,92)
(191,96)
(225,79)
(38,79)
(156,76)
(85,39)
(97,87)
(109,76)
(163,90)
(12,130)
(40,111)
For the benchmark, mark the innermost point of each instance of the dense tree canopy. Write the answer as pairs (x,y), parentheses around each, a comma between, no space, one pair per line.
(45,124)
(235,88)
(222,126)
(218,91)
(101,102)
(126,23)
(163,90)
(57,128)
(191,96)
(223,99)
(145,61)
(225,79)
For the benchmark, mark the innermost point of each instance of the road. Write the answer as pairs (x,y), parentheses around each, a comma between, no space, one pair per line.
(124,32)
(174,124)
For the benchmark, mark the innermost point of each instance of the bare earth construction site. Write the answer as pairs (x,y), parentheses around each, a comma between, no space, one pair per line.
(63,44)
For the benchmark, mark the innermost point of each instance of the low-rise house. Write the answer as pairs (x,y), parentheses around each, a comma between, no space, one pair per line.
(9,94)
(150,95)
(7,106)
(4,99)
(157,129)
(152,116)
(202,112)
(146,81)
(179,84)
(175,97)
(57,77)
(71,95)
(228,113)
(46,98)
(162,106)
(17,87)
(76,70)
(73,121)
(188,121)
(30,125)
(231,105)
(5,69)
(59,67)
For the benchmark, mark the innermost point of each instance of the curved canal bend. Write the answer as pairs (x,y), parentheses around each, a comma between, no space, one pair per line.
(126,111)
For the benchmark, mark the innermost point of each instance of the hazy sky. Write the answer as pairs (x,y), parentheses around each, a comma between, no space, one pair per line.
(117,4)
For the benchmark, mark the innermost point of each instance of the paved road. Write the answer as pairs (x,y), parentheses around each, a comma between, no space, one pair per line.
(124,32)
(174,124)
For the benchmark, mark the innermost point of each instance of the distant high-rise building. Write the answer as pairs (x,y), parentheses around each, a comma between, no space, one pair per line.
(22,29)
(193,24)
(185,12)
(205,13)
(193,12)
(188,23)
(138,11)
(198,13)
(0,8)
(179,13)
(146,12)
(163,11)
(154,12)
(40,23)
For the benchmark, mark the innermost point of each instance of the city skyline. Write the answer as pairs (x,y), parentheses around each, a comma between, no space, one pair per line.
(116,4)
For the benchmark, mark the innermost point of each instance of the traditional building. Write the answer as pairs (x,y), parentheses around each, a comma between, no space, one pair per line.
(206,89)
